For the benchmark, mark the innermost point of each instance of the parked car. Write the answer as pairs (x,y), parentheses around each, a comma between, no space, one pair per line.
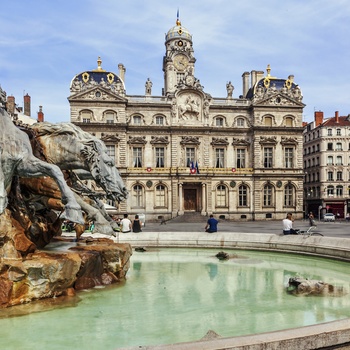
(329,217)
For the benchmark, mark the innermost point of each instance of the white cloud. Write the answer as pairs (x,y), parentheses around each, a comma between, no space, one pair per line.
(44,45)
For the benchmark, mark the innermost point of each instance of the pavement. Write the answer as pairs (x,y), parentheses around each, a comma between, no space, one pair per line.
(329,229)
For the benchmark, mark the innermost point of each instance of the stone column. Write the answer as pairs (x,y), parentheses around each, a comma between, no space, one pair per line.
(204,200)
(181,201)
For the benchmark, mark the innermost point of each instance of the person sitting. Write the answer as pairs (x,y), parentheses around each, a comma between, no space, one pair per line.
(212,225)
(288,225)
(136,225)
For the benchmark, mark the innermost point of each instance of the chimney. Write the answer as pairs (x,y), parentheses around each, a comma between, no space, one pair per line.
(259,75)
(122,71)
(337,117)
(27,105)
(40,114)
(245,81)
(253,78)
(10,105)
(318,118)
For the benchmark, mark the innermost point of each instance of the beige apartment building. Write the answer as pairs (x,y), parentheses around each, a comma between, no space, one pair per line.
(184,151)
(327,165)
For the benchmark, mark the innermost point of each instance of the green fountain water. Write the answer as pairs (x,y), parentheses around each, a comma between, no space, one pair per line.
(177,295)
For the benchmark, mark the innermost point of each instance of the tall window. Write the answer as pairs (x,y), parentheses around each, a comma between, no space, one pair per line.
(242,196)
(111,151)
(159,120)
(338,146)
(289,121)
(137,157)
(160,196)
(136,120)
(86,116)
(330,160)
(137,196)
(330,176)
(190,156)
(329,132)
(221,196)
(240,163)
(240,122)
(330,190)
(339,160)
(268,192)
(338,132)
(329,146)
(219,121)
(268,157)
(268,121)
(109,117)
(220,160)
(288,196)
(288,157)
(159,157)
(339,176)
(339,191)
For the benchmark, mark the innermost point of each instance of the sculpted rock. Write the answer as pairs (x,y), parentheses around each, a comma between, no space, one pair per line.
(45,275)
(304,286)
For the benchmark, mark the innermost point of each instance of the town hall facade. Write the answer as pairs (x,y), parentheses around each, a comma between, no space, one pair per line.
(185,151)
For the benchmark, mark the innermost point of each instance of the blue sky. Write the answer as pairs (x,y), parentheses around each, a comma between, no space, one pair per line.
(43,44)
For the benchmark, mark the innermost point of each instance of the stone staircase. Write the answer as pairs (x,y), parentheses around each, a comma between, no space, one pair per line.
(190,217)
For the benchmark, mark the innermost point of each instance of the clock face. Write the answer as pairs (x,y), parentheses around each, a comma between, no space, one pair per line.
(180,62)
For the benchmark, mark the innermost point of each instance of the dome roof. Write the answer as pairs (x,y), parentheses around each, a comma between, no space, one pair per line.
(178,32)
(97,76)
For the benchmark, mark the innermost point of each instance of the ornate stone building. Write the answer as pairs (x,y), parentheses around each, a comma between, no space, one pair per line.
(186,151)
(327,165)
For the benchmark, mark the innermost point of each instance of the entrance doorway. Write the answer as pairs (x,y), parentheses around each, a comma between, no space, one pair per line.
(190,199)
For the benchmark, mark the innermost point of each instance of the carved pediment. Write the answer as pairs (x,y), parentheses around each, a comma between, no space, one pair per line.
(137,140)
(189,140)
(277,99)
(271,140)
(289,141)
(219,141)
(240,142)
(110,138)
(162,140)
(97,93)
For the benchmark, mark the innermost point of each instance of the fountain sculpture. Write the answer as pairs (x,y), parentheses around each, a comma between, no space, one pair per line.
(42,168)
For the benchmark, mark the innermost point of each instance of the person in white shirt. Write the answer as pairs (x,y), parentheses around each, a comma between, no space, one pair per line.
(125,224)
(288,225)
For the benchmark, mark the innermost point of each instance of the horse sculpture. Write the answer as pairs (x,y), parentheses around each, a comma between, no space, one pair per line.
(17,159)
(71,148)
(80,153)
(3,194)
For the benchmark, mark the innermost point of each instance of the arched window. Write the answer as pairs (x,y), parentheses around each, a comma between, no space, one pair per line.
(240,122)
(219,121)
(243,196)
(289,122)
(159,120)
(109,116)
(289,196)
(221,196)
(86,116)
(268,195)
(137,197)
(136,120)
(268,121)
(160,200)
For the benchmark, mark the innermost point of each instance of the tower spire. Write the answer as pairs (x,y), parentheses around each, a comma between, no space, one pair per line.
(178,22)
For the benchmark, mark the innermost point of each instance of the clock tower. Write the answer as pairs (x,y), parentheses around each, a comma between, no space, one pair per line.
(178,62)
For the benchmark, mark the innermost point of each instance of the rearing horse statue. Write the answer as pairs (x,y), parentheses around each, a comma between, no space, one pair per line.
(17,159)
(71,148)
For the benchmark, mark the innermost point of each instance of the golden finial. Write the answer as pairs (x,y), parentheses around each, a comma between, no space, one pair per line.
(99,62)
(268,70)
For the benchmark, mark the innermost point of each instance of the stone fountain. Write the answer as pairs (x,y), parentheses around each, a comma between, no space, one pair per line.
(40,186)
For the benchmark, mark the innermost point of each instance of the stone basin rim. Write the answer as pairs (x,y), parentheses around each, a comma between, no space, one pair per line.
(325,335)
